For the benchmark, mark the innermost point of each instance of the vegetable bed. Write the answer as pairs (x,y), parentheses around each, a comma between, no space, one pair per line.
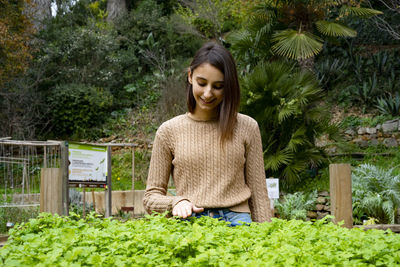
(159,241)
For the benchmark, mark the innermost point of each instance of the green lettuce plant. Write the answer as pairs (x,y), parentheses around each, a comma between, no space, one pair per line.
(160,241)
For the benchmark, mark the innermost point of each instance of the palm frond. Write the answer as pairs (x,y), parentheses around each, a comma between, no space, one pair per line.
(334,29)
(346,10)
(291,173)
(277,160)
(297,139)
(296,45)
(241,41)
(287,110)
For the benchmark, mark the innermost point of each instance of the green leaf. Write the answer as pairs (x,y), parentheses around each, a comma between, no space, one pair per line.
(296,45)
(346,10)
(334,29)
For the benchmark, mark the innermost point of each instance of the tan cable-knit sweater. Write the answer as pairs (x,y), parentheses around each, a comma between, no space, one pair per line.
(205,173)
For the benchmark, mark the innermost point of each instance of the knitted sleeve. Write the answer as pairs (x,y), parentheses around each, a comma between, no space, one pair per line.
(255,178)
(155,198)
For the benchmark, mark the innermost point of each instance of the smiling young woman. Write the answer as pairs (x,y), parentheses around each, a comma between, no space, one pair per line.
(213,153)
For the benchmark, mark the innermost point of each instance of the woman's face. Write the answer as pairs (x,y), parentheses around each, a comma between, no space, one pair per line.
(208,88)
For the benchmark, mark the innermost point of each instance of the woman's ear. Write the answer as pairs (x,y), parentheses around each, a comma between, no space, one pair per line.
(189,76)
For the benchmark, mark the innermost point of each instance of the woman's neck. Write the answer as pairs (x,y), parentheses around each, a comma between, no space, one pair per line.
(203,116)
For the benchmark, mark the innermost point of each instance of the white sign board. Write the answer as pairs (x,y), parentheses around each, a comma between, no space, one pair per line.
(273,188)
(88,163)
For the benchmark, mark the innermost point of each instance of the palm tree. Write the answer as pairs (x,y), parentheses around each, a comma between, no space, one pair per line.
(295,28)
(286,104)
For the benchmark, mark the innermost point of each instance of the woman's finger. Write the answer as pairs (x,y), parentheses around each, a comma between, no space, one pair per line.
(196,209)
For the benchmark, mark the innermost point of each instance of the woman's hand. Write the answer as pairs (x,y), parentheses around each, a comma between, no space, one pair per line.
(184,209)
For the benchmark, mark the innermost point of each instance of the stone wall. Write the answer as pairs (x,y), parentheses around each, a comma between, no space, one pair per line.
(322,206)
(387,134)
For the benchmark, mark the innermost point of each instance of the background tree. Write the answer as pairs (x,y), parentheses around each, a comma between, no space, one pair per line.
(391,22)
(286,103)
(295,29)
(41,10)
(16,31)
(116,9)
(209,19)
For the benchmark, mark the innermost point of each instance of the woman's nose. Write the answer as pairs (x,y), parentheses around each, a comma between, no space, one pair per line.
(208,92)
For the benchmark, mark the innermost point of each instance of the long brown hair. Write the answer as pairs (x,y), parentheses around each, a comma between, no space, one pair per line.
(219,57)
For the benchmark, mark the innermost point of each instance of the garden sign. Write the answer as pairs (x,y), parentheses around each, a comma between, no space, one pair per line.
(88,163)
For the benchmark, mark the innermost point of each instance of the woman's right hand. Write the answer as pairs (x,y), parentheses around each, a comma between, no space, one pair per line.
(184,209)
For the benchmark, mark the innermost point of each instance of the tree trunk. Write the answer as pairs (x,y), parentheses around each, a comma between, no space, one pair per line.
(307,64)
(40,10)
(115,9)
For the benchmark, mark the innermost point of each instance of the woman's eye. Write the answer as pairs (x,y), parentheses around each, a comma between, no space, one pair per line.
(202,84)
(218,87)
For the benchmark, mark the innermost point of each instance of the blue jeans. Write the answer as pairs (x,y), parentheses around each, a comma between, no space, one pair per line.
(235,218)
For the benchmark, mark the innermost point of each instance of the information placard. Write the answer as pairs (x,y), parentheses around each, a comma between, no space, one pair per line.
(88,163)
(273,188)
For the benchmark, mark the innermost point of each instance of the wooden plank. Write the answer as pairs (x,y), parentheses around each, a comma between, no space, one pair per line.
(51,185)
(112,144)
(109,188)
(133,175)
(30,143)
(394,227)
(64,167)
(119,199)
(340,192)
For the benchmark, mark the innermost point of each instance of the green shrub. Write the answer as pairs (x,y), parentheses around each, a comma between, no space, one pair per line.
(16,215)
(376,193)
(287,106)
(389,105)
(78,108)
(295,206)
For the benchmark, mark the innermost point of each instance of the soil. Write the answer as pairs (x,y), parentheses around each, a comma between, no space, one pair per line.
(338,114)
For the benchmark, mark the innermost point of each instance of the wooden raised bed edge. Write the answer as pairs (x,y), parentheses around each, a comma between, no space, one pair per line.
(394,227)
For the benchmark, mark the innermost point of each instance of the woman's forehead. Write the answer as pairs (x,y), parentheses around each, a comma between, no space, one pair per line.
(208,72)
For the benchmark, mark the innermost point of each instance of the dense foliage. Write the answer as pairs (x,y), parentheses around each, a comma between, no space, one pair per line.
(78,50)
(16,30)
(159,241)
(296,205)
(286,104)
(376,194)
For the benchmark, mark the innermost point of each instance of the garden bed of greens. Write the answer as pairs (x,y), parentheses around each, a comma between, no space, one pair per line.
(160,241)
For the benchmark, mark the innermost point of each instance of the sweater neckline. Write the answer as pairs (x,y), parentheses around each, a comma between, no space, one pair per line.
(198,120)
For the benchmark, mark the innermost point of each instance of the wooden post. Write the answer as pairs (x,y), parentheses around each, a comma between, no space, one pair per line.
(84,202)
(93,200)
(108,205)
(45,157)
(51,185)
(64,167)
(340,191)
(133,176)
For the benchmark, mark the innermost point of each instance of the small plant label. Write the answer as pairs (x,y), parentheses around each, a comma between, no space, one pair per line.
(273,190)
